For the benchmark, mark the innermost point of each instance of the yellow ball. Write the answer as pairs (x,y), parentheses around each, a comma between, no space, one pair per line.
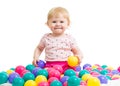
(40,78)
(93,81)
(9,72)
(85,77)
(30,83)
(72,61)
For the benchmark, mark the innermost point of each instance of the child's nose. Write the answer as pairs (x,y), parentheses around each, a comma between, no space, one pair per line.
(58,23)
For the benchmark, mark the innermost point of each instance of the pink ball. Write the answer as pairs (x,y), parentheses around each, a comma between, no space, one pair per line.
(59,68)
(50,69)
(118,69)
(23,72)
(83,83)
(65,84)
(19,69)
(43,84)
(52,79)
(54,73)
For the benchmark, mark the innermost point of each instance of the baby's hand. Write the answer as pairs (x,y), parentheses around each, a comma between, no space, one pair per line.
(34,62)
(79,60)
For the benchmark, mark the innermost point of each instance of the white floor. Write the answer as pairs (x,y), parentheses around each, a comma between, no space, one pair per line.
(110,83)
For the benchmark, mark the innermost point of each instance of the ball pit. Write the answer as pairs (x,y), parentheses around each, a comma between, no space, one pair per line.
(89,75)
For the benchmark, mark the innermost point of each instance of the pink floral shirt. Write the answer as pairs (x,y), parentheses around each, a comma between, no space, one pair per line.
(57,48)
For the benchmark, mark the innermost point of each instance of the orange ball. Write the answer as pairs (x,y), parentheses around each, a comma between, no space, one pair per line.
(72,61)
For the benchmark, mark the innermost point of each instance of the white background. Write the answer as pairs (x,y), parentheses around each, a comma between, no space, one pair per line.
(95,24)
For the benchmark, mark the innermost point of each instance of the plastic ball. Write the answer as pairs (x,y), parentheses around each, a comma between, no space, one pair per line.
(94,73)
(103,79)
(69,72)
(82,72)
(115,72)
(23,72)
(65,84)
(59,68)
(116,76)
(35,71)
(77,68)
(72,61)
(54,73)
(41,64)
(64,79)
(104,72)
(3,77)
(93,81)
(30,83)
(104,66)
(51,79)
(40,78)
(86,65)
(85,77)
(28,76)
(12,76)
(19,69)
(56,83)
(18,82)
(43,72)
(118,68)
(74,81)
(30,67)
(43,84)
(9,72)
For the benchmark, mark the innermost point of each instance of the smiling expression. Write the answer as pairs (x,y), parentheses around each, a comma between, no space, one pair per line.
(58,25)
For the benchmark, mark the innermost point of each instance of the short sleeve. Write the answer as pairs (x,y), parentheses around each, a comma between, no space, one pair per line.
(42,42)
(73,43)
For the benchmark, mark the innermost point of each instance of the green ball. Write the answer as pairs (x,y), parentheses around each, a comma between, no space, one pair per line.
(3,77)
(74,81)
(55,83)
(28,76)
(104,66)
(18,81)
(82,72)
(43,72)
(69,72)
(103,72)
(30,67)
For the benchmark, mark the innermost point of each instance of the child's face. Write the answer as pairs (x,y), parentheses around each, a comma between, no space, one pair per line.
(58,25)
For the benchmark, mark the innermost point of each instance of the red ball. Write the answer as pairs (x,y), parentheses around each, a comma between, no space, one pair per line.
(19,69)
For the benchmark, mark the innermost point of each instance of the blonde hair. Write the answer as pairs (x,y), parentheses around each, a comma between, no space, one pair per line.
(56,11)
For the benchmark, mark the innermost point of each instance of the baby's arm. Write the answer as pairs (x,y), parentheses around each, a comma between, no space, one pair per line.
(76,51)
(37,53)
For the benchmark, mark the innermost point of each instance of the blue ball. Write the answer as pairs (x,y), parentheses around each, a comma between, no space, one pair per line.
(41,64)
(86,65)
(103,79)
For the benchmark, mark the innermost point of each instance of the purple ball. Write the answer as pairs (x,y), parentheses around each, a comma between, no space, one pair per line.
(86,65)
(103,79)
(77,68)
(41,64)
(115,72)
(35,71)
(64,79)
(12,76)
